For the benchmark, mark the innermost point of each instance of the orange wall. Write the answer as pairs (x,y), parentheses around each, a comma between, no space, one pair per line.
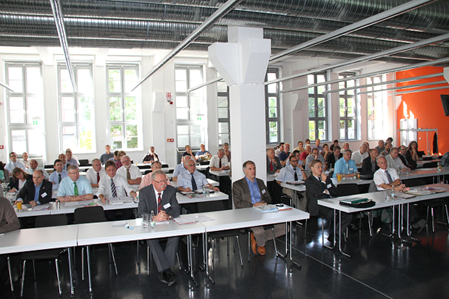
(426,107)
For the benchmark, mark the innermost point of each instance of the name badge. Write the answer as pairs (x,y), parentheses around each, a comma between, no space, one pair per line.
(351,168)
(264,191)
(329,185)
(44,194)
(167,205)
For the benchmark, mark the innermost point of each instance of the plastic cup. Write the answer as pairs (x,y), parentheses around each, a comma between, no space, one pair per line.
(145,220)
(339,177)
(19,205)
(139,222)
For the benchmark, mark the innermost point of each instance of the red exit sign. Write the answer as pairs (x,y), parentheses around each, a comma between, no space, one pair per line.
(170,140)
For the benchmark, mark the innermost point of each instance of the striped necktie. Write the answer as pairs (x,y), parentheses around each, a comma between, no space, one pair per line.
(128,175)
(114,192)
(159,206)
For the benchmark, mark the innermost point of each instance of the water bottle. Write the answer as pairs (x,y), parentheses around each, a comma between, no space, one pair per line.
(152,222)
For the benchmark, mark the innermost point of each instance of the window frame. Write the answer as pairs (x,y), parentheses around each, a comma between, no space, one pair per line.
(373,118)
(223,94)
(122,94)
(346,96)
(269,119)
(316,119)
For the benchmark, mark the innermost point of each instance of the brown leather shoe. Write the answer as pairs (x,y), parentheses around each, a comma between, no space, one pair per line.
(253,244)
(261,250)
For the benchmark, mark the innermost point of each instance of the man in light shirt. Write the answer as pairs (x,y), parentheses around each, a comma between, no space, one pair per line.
(360,155)
(13,163)
(95,173)
(146,180)
(130,172)
(25,160)
(58,175)
(71,160)
(314,156)
(345,147)
(74,187)
(317,145)
(293,172)
(192,179)
(345,166)
(63,159)
(35,165)
(219,161)
(180,167)
(394,161)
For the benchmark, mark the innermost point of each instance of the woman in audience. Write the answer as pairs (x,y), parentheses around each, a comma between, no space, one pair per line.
(333,145)
(2,172)
(412,152)
(19,178)
(325,151)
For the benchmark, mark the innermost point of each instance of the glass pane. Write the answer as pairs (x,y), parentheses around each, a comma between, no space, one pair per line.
(196,140)
(183,140)
(117,144)
(35,112)
(85,139)
(18,141)
(311,107)
(321,108)
(351,108)
(312,130)
(115,109)
(272,88)
(223,128)
(181,86)
(132,142)
(223,102)
(67,103)
(35,143)
(68,116)
(16,103)
(222,86)
(342,107)
(17,117)
(222,138)
(130,79)
(15,79)
(34,80)
(116,131)
(182,113)
(273,133)
(69,137)
(322,130)
(272,102)
(195,130)
(130,108)
(310,79)
(351,129)
(196,77)
(272,113)
(85,109)
(183,130)
(321,78)
(180,75)
(84,82)
(342,129)
(131,136)
(222,113)
(66,83)
(321,89)
(16,110)
(114,80)
(181,101)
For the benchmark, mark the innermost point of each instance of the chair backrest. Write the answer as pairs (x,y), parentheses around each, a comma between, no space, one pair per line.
(372,187)
(211,206)
(415,182)
(347,189)
(430,165)
(89,214)
(427,158)
(51,220)
(83,162)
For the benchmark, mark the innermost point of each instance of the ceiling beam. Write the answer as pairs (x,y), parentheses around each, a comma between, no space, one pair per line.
(222,11)
(419,90)
(405,87)
(59,20)
(398,10)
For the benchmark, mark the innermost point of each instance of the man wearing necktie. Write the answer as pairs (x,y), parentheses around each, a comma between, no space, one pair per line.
(74,187)
(35,192)
(192,179)
(95,173)
(292,173)
(130,172)
(58,175)
(387,179)
(161,199)
(113,187)
(219,161)
(273,162)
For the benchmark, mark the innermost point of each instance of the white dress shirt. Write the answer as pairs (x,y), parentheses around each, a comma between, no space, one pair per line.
(215,161)
(91,175)
(30,171)
(287,174)
(10,166)
(380,177)
(185,180)
(121,185)
(178,169)
(395,163)
(358,157)
(134,171)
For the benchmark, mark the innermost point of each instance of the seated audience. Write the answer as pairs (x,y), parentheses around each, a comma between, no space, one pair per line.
(305,153)
(130,172)
(63,159)
(403,156)
(180,167)
(58,175)
(8,219)
(320,186)
(292,173)
(412,153)
(18,179)
(202,154)
(317,145)
(359,155)
(251,192)
(333,157)
(150,156)
(369,163)
(325,151)
(387,150)
(279,149)
(74,187)
(106,156)
(345,148)
(219,161)
(345,166)
(313,156)
(25,160)
(445,160)
(394,161)
(71,160)
(300,148)
(95,173)
(284,154)
(146,180)
(192,179)
(35,165)
(273,162)
(380,146)
(36,191)
(2,172)
(227,151)
(188,152)
(14,163)
(333,145)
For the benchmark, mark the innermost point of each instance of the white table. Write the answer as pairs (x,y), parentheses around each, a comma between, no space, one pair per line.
(217,195)
(210,181)
(245,218)
(219,172)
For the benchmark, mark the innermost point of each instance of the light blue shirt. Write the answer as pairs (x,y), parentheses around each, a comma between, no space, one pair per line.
(200,153)
(178,169)
(36,193)
(254,191)
(30,171)
(67,188)
(10,166)
(54,178)
(287,174)
(185,179)
(343,167)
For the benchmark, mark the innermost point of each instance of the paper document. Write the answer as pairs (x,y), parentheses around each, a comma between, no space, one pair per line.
(119,223)
(184,220)
(201,218)
(267,208)
(41,207)
(71,203)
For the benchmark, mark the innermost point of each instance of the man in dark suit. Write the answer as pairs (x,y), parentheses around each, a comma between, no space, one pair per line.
(333,157)
(369,165)
(252,192)
(410,163)
(161,199)
(43,187)
(273,162)
(319,186)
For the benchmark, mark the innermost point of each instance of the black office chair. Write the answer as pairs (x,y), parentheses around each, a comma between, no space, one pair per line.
(431,205)
(83,162)
(92,215)
(430,165)
(53,254)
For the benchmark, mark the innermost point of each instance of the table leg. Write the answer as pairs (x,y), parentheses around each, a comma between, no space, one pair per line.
(290,248)
(322,234)
(409,232)
(340,236)
(189,241)
(88,269)
(69,254)
(206,257)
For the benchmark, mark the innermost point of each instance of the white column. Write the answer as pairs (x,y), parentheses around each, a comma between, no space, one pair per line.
(243,64)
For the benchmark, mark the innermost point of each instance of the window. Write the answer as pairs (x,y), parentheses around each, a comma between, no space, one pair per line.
(317,108)
(348,108)
(376,103)
(25,108)
(124,107)
(76,111)
(272,108)
(223,113)
(190,107)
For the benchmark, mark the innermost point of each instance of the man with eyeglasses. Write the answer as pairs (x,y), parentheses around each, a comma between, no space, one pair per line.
(13,163)
(112,187)
(192,179)
(146,180)
(161,199)
(95,173)
(292,173)
(130,172)
(74,187)
(58,175)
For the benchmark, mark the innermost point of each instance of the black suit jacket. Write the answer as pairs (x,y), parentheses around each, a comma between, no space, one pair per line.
(330,160)
(409,162)
(14,183)
(314,191)
(242,196)
(28,191)
(275,167)
(148,201)
(367,167)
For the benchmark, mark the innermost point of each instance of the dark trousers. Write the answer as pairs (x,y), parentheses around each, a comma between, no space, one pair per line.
(329,215)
